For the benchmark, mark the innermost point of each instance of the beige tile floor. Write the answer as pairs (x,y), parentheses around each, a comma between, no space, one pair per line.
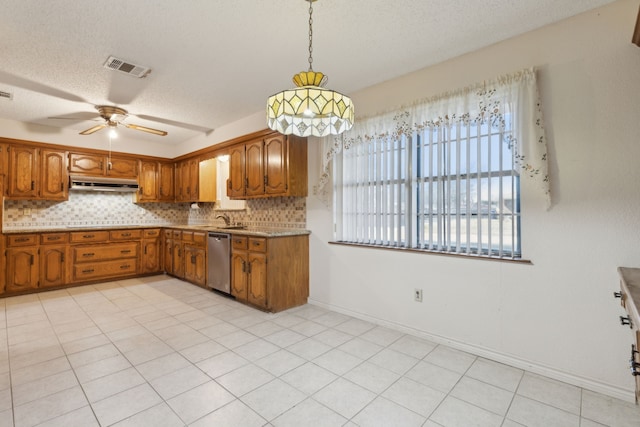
(160,352)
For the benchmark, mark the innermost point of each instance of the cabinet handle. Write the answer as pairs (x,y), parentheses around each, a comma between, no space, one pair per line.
(246,182)
(141,190)
(193,259)
(126,234)
(101,164)
(632,361)
(125,251)
(50,238)
(22,239)
(256,243)
(244,266)
(266,181)
(33,185)
(31,260)
(145,250)
(229,184)
(88,254)
(88,236)
(626,321)
(62,186)
(249,267)
(62,258)
(90,270)
(125,267)
(617,294)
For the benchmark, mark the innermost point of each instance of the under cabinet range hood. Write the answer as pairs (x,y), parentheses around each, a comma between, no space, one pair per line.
(102,183)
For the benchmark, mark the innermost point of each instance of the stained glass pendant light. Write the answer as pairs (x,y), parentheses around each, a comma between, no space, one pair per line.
(309,109)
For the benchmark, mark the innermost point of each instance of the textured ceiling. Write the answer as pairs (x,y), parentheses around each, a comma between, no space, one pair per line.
(216,61)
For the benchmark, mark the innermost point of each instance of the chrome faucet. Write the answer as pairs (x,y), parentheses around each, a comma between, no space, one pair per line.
(225,217)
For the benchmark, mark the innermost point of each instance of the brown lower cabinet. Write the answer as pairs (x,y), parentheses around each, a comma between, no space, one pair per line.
(270,273)
(151,258)
(185,255)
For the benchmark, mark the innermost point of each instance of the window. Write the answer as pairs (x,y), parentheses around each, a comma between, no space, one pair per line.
(448,184)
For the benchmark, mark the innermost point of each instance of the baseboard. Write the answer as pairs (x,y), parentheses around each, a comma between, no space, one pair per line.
(536,368)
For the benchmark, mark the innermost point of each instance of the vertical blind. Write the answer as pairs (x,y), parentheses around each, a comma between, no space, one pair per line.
(443,175)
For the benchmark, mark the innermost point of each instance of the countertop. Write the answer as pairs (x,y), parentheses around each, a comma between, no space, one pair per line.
(249,231)
(630,287)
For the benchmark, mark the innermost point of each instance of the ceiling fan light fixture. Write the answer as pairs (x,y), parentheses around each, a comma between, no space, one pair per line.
(113,116)
(310,109)
(113,133)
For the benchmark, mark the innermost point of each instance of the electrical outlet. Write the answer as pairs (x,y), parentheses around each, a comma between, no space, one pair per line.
(417,295)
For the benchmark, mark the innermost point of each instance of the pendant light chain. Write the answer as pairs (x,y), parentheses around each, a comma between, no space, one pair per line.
(310,35)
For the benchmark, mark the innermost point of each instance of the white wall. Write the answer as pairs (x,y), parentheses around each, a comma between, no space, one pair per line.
(557,316)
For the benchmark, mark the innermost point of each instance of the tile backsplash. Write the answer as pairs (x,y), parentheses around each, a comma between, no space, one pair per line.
(115,209)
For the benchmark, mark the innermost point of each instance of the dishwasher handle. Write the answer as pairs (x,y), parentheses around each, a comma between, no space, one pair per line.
(218,236)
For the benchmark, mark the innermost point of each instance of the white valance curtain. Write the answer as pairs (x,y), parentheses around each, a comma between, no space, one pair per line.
(515,95)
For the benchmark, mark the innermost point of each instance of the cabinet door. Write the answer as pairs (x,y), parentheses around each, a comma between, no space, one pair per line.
(53,270)
(257,280)
(168,256)
(23,172)
(122,168)
(4,168)
(150,256)
(87,164)
(195,265)
(182,181)
(276,171)
(54,179)
(148,191)
(22,268)
(194,179)
(178,259)
(239,275)
(255,168)
(166,190)
(236,182)
(207,180)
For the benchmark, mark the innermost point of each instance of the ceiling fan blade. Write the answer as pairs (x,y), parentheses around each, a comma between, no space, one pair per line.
(94,129)
(145,129)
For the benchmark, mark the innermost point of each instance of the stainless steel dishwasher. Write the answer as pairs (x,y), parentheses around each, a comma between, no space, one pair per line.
(219,276)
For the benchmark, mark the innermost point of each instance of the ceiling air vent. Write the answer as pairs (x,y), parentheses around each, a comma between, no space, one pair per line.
(121,65)
(6,95)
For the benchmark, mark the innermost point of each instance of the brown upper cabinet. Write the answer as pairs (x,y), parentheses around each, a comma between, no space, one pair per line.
(101,165)
(275,165)
(54,179)
(187,180)
(148,182)
(37,174)
(156,183)
(166,181)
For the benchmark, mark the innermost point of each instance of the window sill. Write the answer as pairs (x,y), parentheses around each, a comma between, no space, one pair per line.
(426,251)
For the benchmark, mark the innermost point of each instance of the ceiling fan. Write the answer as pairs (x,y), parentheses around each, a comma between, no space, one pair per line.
(113,116)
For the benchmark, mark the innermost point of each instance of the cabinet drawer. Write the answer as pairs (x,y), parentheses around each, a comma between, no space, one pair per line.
(104,269)
(176,234)
(105,252)
(187,236)
(53,238)
(199,238)
(125,234)
(148,234)
(89,236)
(257,244)
(22,240)
(239,242)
